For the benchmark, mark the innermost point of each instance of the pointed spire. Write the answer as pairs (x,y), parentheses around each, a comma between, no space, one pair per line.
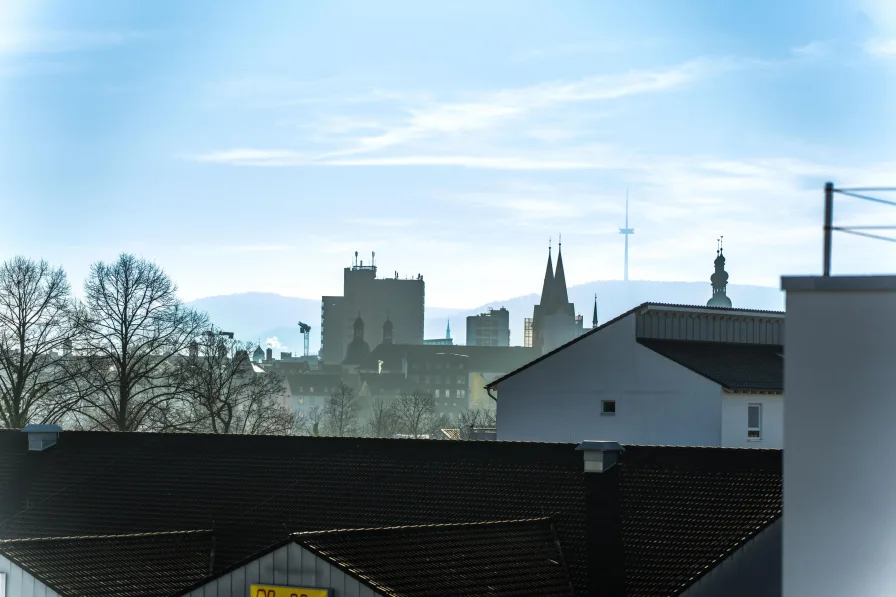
(719,280)
(594,317)
(548,281)
(559,295)
(448,331)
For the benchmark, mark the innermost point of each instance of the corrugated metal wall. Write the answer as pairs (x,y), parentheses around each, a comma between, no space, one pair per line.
(683,325)
(21,584)
(291,565)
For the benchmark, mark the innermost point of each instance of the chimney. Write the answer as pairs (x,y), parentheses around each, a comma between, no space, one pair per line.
(41,437)
(67,347)
(603,517)
(839,519)
(194,349)
(270,354)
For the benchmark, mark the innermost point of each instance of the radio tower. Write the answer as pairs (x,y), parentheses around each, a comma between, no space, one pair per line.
(627,232)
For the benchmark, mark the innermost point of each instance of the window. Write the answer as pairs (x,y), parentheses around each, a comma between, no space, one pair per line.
(447,393)
(301,400)
(461,393)
(754,421)
(447,365)
(460,379)
(460,365)
(311,389)
(608,407)
(426,379)
(438,394)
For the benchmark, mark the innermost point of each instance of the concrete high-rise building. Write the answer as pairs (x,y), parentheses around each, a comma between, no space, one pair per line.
(374,301)
(489,329)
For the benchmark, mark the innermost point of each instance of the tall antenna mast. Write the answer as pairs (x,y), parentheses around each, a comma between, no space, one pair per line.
(627,232)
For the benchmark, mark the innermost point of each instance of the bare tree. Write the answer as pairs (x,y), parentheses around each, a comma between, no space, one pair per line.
(310,423)
(133,328)
(225,392)
(416,416)
(35,323)
(470,420)
(382,421)
(341,412)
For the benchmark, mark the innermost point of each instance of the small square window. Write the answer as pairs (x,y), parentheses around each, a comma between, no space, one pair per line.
(608,407)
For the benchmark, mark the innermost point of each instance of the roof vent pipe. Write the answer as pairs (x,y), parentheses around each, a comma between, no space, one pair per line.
(41,437)
(600,456)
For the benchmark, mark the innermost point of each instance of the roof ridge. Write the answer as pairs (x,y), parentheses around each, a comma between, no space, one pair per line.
(121,536)
(439,525)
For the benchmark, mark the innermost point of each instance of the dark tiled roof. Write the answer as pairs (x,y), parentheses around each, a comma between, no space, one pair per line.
(88,566)
(683,508)
(733,366)
(508,558)
(686,509)
(254,491)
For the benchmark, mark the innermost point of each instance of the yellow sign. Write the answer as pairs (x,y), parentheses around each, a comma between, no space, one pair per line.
(272,591)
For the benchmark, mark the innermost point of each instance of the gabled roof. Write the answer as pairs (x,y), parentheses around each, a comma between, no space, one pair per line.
(682,508)
(735,367)
(685,510)
(502,558)
(92,565)
(639,309)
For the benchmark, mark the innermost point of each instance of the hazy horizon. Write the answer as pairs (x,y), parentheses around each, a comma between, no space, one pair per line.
(257,147)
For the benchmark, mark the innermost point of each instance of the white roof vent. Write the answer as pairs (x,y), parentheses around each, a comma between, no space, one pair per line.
(600,456)
(41,437)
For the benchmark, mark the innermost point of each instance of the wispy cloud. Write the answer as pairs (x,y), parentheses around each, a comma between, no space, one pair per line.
(881,48)
(478,114)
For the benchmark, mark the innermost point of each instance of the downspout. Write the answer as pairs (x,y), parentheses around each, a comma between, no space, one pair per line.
(488,391)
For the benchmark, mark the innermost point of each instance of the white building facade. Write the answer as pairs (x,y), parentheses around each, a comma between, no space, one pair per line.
(656,375)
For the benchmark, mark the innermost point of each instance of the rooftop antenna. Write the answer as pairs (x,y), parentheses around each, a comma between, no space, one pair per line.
(627,232)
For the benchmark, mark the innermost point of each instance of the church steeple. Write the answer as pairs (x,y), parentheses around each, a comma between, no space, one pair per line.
(594,317)
(548,284)
(359,327)
(559,296)
(448,331)
(387,330)
(719,281)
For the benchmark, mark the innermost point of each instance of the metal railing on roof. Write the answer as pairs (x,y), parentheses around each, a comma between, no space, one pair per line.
(863,194)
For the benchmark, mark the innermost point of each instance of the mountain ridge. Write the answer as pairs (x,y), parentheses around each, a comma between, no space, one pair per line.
(260,316)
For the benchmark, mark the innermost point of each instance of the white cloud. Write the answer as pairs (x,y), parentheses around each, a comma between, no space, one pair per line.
(275,344)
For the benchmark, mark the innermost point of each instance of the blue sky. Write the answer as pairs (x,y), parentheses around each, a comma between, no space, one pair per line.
(254,146)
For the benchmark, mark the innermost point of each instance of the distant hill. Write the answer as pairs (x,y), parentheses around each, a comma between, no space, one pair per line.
(258,316)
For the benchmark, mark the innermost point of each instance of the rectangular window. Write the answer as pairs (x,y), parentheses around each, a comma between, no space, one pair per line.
(608,407)
(447,393)
(754,421)
(460,379)
(301,400)
(437,394)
